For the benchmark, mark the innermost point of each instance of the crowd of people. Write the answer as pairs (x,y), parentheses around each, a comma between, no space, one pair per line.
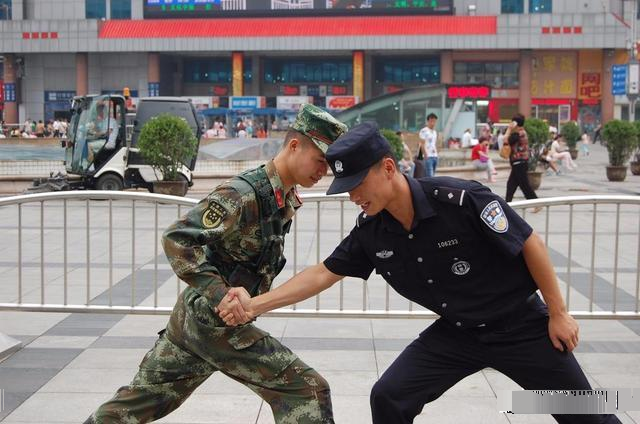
(53,128)
(243,128)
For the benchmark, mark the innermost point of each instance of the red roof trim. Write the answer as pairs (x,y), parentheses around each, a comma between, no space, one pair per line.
(300,27)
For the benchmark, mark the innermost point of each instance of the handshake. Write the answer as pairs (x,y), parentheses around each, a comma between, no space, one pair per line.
(236,307)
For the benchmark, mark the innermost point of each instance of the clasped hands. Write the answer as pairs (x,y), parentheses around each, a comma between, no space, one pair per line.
(235,308)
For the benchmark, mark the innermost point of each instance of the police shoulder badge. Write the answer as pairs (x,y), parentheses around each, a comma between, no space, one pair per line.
(213,215)
(493,215)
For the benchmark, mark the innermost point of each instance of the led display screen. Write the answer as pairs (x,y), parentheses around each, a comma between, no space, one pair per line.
(223,8)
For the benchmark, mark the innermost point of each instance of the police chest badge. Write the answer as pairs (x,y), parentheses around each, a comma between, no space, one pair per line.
(493,215)
(213,215)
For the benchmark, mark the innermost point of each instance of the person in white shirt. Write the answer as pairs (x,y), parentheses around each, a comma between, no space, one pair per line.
(466,138)
(429,137)
(557,152)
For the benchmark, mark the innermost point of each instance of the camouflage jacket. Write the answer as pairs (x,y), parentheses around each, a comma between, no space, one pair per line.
(223,231)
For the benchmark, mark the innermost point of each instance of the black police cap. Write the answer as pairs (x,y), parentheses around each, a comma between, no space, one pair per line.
(353,153)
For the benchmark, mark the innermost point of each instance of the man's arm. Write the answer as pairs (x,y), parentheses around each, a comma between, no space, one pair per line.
(562,327)
(302,286)
(213,222)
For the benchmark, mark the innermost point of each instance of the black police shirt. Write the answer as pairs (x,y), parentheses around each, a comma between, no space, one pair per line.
(462,257)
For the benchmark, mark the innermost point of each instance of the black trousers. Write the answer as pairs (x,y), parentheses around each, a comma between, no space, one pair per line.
(518,178)
(442,355)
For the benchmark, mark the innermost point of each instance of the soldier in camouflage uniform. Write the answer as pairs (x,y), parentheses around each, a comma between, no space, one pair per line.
(234,238)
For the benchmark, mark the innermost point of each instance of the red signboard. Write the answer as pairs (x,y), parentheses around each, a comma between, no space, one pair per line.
(341,102)
(220,90)
(290,90)
(469,92)
(338,90)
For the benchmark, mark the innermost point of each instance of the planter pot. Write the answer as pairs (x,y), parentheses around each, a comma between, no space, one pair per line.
(535,179)
(173,188)
(635,168)
(573,153)
(616,173)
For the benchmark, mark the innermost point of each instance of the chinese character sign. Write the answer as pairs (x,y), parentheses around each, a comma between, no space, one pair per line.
(554,75)
(590,74)
(619,80)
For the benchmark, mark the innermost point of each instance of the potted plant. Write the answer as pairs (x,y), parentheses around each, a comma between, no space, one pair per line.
(571,135)
(538,133)
(165,142)
(622,140)
(635,163)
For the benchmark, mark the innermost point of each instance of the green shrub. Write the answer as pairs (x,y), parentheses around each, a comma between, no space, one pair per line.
(395,141)
(538,133)
(636,154)
(165,143)
(571,134)
(622,140)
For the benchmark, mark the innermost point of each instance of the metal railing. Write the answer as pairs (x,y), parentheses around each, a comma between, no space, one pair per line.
(100,252)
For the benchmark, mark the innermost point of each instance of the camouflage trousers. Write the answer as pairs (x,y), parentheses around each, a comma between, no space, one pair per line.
(194,345)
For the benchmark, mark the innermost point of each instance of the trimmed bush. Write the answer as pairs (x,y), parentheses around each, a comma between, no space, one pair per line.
(165,143)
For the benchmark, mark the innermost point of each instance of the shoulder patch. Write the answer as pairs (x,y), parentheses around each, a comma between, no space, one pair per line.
(213,216)
(362,219)
(493,215)
(449,195)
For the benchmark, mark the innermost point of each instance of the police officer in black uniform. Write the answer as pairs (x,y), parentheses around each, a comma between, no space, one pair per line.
(459,250)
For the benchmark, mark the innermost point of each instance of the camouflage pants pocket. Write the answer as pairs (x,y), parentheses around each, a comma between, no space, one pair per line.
(299,395)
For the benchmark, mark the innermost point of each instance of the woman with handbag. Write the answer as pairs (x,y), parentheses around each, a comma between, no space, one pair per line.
(481,160)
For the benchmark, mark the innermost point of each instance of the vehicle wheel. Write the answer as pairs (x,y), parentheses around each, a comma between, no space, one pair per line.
(109,182)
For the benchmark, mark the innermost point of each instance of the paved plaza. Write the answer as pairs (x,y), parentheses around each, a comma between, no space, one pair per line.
(70,363)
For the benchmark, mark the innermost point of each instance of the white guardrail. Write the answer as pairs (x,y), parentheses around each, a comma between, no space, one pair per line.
(100,252)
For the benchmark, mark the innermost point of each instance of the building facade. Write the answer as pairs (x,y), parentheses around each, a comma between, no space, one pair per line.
(547,58)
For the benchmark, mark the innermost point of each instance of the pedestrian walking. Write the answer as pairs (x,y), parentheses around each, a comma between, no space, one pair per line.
(428,145)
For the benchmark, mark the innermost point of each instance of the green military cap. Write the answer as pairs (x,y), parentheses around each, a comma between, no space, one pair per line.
(319,126)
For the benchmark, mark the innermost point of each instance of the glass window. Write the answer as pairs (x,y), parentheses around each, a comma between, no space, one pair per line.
(494,74)
(539,6)
(422,71)
(5,10)
(95,9)
(216,70)
(307,71)
(512,6)
(120,9)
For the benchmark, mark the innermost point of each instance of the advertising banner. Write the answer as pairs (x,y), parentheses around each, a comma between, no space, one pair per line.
(341,102)
(216,8)
(247,102)
(554,75)
(292,103)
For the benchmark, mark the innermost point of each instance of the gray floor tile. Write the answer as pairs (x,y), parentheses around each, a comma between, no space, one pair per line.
(105,342)
(109,359)
(83,380)
(75,331)
(221,409)
(138,326)
(334,328)
(25,380)
(338,360)
(12,400)
(57,407)
(326,343)
(59,342)
(350,383)
(41,358)
(457,409)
